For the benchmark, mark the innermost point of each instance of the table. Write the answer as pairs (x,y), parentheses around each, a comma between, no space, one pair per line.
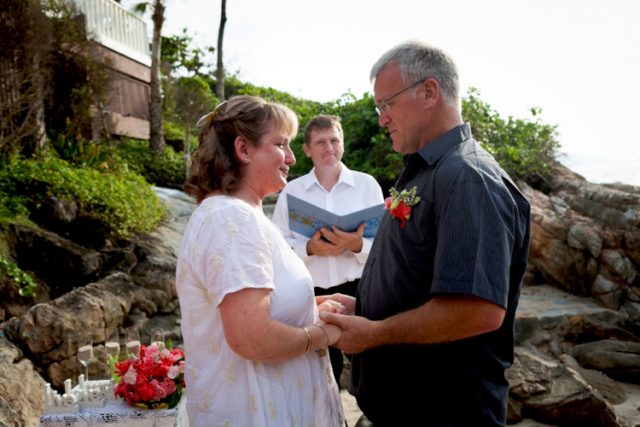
(119,413)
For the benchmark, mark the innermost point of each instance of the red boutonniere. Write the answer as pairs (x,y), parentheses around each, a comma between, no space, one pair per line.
(400,204)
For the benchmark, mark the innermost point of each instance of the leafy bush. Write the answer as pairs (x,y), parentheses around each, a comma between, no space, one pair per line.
(524,148)
(367,145)
(172,131)
(124,200)
(81,153)
(165,170)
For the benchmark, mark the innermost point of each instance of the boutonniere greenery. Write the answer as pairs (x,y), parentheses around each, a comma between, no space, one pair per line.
(400,203)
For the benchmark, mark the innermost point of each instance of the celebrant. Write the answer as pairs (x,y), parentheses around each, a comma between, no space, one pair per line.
(335,257)
(254,346)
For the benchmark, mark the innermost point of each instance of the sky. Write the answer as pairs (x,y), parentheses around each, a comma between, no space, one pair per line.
(577,60)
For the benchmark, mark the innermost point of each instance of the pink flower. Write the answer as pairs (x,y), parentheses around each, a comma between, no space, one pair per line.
(130,376)
(173,372)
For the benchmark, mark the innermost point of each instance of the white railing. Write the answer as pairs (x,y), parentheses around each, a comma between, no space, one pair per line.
(115,27)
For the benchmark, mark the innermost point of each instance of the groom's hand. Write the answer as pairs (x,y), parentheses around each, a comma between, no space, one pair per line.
(358,333)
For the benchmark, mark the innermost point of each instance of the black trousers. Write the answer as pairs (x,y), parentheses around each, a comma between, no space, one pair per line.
(335,355)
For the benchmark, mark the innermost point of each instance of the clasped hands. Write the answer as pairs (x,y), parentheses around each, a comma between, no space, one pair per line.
(349,333)
(333,242)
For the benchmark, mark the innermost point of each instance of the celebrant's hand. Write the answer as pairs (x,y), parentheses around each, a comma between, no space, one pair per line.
(348,241)
(317,246)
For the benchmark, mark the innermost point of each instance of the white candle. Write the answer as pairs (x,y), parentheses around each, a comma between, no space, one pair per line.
(67,386)
(47,394)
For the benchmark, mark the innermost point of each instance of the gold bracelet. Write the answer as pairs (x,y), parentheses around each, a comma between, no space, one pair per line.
(306,350)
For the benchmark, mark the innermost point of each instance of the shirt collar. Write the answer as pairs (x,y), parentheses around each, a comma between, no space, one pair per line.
(432,152)
(346,177)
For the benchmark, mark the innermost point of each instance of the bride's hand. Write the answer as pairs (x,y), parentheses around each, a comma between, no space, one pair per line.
(332,306)
(347,302)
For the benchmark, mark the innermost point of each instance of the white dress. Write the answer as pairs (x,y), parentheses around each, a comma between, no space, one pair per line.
(229,245)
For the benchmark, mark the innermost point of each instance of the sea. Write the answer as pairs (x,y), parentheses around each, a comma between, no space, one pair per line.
(604,171)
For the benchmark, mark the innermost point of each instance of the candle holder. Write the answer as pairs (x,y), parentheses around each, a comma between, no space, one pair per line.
(86,394)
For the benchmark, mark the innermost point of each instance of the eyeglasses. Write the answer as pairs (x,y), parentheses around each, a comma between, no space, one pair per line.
(384,104)
(211,116)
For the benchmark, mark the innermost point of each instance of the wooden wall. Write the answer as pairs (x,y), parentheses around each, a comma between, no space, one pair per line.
(127,110)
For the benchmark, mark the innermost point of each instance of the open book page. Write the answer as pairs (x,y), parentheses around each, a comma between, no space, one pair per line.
(306,218)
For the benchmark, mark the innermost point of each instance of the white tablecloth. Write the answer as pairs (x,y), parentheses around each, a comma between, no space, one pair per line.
(119,413)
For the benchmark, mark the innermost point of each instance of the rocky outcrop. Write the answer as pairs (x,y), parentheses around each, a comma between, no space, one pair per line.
(617,359)
(21,400)
(586,240)
(549,391)
(124,283)
(582,288)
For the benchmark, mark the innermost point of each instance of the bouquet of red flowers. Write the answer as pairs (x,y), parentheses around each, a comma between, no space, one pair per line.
(154,380)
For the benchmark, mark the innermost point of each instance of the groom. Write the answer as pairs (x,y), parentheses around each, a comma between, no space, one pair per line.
(433,330)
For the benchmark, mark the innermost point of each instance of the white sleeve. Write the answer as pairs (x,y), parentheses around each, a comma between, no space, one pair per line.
(239,254)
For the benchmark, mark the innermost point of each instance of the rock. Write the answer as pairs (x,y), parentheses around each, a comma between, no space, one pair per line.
(21,388)
(548,317)
(607,387)
(550,392)
(607,293)
(576,262)
(612,206)
(586,238)
(59,262)
(617,359)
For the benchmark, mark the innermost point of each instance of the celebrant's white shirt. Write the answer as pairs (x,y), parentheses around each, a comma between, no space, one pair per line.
(353,191)
(229,245)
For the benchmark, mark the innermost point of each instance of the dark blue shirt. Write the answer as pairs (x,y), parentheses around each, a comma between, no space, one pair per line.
(468,235)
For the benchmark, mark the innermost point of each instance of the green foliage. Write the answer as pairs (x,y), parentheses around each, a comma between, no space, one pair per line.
(166,169)
(53,78)
(23,280)
(367,145)
(172,131)
(193,98)
(524,148)
(305,108)
(124,199)
(25,37)
(79,80)
(87,154)
(177,56)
